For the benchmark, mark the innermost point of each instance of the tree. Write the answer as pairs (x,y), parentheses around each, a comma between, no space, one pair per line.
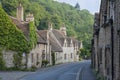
(77,6)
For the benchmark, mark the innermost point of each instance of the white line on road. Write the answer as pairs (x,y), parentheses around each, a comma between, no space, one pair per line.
(78,73)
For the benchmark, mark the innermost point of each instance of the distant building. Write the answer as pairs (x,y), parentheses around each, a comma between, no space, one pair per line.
(65,48)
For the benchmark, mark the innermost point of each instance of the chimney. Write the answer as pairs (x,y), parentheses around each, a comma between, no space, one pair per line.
(63,29)
(50,26)
(20,13)
(29,17)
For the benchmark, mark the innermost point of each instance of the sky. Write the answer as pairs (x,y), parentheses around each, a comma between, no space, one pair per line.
(91,5)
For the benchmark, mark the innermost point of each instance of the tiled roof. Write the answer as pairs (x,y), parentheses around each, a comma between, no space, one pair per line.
(24,27)
(59,36)
(41,40)
(75,41)
(55,47)
(42,36)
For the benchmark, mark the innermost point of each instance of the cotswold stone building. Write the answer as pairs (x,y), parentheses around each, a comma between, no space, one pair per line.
(106,40)
(49,41)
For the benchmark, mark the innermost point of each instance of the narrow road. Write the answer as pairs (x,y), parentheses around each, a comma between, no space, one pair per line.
(69,71)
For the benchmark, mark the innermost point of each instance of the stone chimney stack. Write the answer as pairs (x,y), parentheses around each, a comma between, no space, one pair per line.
(20,13)
(63,29)
(50,26)
(29,17)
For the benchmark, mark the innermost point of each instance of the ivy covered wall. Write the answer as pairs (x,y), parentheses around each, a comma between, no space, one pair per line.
(33,35)
(11,37)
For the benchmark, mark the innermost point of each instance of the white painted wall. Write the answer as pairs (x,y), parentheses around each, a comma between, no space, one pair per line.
(58,57)
(68,51)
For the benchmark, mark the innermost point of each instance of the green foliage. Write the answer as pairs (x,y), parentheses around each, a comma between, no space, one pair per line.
(98,76)
(78,22)
(53,58)
(44,63)
(2,63)
(85,54)
(17,60)
(33,35)
(10,36)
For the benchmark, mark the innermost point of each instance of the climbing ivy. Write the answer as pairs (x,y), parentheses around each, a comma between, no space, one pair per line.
(10,36)
(17,60)
(2,63)
(33,35)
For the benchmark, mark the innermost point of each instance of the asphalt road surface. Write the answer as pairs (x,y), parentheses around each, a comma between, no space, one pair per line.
(69,71)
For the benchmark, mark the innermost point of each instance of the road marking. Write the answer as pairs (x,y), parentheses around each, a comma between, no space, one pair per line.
(22,79)
(78,73)
(82,75)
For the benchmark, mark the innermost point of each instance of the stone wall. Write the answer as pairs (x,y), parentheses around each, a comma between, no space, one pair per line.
(106,54)
(116,29)
(8,58)
(58,57)
(35,56)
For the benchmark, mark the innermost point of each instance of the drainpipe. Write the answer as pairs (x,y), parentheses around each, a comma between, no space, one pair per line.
(112,47)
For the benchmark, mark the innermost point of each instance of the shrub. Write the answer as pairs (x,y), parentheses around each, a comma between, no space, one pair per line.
(45,62)
(2,62)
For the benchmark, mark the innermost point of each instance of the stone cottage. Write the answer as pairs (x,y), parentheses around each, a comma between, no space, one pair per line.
(105,43)
(38,53)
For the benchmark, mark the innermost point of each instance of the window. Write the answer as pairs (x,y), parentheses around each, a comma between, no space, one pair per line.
(105,58)
(100,55)
(43,54)
(32,58)
(65,56)
(71,55)
(37,57)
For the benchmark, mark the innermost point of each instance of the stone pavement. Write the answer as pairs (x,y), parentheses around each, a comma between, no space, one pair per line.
(87,73)
(14,75)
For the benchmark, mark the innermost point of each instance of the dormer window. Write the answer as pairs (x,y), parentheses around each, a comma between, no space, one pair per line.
(43,54)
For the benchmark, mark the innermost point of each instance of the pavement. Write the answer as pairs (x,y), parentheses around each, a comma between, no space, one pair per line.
(68,71)
(14,75)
